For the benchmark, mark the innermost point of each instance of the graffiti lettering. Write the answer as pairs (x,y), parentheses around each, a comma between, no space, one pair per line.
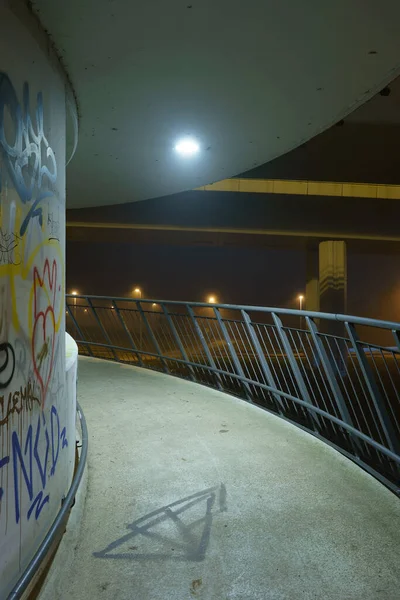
(44,329)
(53,223)
(23,399)
(3,462)
(8,244)
(20,358)
(22,148)
(7,364)
(34,461)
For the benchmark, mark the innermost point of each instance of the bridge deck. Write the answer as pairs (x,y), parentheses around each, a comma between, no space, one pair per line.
(194,494)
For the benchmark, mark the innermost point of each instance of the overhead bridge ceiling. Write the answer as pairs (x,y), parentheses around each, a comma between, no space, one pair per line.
(246,81)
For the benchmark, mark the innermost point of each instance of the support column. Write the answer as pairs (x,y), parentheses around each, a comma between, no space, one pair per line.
(333,277)
(333,297)
(312,280)
(37,419)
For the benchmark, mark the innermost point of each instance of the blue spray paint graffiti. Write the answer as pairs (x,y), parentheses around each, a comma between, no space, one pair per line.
(23,152)
(32,467)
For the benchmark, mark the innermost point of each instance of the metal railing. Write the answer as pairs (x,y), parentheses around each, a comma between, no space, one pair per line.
(336,376)
(59,522)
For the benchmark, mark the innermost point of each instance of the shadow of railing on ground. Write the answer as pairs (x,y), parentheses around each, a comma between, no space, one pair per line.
(188,538)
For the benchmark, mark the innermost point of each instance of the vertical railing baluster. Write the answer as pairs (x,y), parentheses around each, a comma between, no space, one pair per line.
(128,333)
(295,367)
(383,416)
(78,328)
(206,349)
(178,340)
(232,352)
(331,377)
(100,324)
(152,336)
(269,378)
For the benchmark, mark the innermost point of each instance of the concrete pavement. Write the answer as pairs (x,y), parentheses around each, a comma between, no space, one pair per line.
(193,494)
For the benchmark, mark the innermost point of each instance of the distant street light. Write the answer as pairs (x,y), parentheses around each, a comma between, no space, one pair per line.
(75,293)
(301,298)
(138,292)
(211,300)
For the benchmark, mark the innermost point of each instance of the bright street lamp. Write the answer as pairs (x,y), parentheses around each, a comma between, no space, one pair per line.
(138,292)
(211,300)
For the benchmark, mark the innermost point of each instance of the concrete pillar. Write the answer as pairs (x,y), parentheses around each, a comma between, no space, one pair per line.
(333,277)
(37,426)
(312,280)
(333,298)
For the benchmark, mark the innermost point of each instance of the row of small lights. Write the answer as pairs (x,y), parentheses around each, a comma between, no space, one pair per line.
(210,299)
(138,291)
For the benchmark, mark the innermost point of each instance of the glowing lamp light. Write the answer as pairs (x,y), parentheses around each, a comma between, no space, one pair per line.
(187,147)
(212,300)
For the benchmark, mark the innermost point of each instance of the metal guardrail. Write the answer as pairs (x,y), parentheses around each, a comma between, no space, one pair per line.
(59,522)
(336,376)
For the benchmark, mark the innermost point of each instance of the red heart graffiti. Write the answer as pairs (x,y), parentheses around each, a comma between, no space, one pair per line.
(44,328)
(43,338)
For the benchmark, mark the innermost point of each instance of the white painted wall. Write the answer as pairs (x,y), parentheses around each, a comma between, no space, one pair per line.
(37,436)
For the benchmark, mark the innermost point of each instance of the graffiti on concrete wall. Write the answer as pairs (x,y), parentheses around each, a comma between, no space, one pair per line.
(33,459)
(33,180)
(9,243)
(35,437)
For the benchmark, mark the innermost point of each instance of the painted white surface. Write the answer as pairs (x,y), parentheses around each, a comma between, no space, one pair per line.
(37,431)
(71,371)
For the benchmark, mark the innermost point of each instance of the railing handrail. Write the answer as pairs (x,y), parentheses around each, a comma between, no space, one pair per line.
(336,376)
(391,325)
(33,566)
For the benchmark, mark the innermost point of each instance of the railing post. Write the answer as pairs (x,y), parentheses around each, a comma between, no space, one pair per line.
(206,349)
(396,338)
(78,329)
(100,324)
(152,336)
(264,365)
(295,367)
(331,377)
(383,416)
(178,340)
(232,352)
(128,333)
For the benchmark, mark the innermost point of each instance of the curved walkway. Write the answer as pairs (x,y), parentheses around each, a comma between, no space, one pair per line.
(194,494)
